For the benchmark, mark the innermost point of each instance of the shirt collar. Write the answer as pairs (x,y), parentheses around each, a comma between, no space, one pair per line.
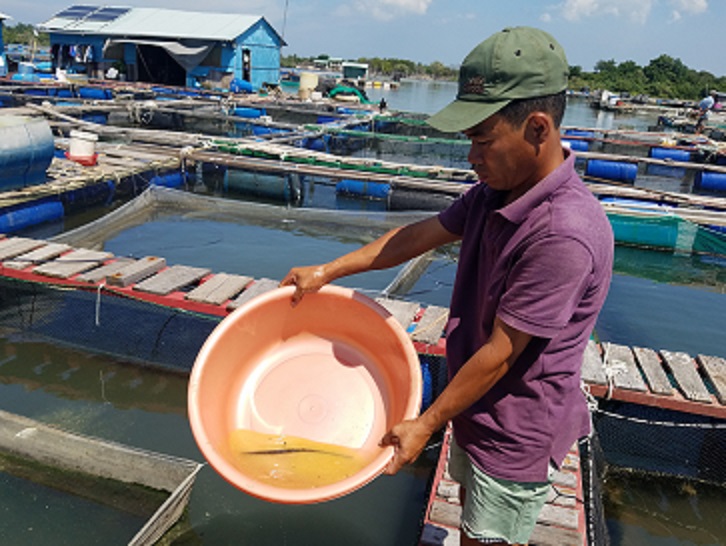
(518,210)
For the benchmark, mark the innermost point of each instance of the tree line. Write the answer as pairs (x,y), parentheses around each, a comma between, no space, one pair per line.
(662,77)
(24,34)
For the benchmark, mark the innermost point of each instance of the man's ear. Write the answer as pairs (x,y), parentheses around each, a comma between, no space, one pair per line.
(539,127)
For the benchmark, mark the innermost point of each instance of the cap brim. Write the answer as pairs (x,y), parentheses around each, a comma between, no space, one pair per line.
(461,115)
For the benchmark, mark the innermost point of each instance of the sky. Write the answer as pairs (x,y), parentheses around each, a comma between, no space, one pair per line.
(446,30)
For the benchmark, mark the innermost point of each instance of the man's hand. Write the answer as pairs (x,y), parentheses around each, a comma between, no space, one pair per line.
(408,439)
(305,279)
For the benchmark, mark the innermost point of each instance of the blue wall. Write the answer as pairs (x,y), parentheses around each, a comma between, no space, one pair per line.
(264,45)
(3,60)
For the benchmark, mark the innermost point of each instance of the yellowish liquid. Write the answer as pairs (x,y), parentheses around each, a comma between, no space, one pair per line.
(293,462)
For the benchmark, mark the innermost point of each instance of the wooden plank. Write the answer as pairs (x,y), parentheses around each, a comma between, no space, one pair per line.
(99,274)
(592,368)
(73,263)
(654,373)
(15,246)
(260,286)
(431,326)
(136,271)
(621,361)
(552,514)
(403,311)
(686,376)
(715,369)
(219,288)
(38,255)
(172,279)
(445,513)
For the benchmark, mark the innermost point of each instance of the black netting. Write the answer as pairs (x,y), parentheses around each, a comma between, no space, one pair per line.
(661,441)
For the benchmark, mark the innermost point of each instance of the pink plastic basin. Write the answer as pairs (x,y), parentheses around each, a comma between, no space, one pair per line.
(289,403)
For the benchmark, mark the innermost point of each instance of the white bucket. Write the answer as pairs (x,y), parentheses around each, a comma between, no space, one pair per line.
(308,80)
(83,145)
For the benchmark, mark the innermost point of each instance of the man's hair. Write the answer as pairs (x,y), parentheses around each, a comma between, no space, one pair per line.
(517,111)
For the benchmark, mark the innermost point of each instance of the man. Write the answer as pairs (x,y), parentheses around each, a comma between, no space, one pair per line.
(534,269)
(704,107)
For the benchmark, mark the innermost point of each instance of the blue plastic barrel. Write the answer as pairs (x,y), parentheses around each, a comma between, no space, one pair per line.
(580,133)
(273,186)
(30,214)
(577,145)
(99,118)
(710,181)
(249,113)
(670,153)
(95,93)
(26,151)
(169,180)
(265,130)
(238,85)
(374,190)
(621,171)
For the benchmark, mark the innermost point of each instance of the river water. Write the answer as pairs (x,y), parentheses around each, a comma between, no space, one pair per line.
(657,300)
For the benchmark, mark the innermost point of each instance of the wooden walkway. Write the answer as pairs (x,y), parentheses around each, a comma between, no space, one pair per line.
(178,286)
(561,521)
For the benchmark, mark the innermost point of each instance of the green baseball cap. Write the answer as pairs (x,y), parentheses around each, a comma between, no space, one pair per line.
(516,63)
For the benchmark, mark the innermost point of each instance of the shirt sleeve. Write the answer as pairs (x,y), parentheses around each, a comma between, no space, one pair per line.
(545,286)
(453,218)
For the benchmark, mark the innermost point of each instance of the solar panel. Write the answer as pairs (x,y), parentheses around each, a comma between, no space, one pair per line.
(76,12)
(107,14)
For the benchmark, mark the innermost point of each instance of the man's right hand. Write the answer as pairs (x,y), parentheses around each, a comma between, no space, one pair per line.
(305,279)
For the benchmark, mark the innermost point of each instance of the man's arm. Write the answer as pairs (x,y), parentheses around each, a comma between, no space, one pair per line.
(393,248)
(472,381)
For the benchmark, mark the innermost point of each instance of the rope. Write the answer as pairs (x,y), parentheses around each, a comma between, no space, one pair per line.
(611,368)
(640,420)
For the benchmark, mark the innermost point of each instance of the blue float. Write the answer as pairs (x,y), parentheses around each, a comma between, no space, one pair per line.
(170,180)
(29,215)
(710,181)
(238,85)
(374,190)
(576,145)
(249,113)
(26,151)
(580,133)
(95,93)
(621,171)
(673,154)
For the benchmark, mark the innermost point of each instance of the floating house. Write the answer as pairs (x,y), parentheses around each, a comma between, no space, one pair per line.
(165,46)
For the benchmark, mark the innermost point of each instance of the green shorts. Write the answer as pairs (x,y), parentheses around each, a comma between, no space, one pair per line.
(495,510)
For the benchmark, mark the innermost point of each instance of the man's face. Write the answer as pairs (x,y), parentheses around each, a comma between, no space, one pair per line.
(500,154)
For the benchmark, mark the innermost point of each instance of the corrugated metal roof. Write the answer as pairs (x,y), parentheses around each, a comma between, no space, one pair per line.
(160,23)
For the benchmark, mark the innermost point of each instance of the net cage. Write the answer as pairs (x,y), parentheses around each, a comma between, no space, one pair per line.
(668,232)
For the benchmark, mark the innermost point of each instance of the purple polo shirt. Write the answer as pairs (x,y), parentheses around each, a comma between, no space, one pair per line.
(542,264)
